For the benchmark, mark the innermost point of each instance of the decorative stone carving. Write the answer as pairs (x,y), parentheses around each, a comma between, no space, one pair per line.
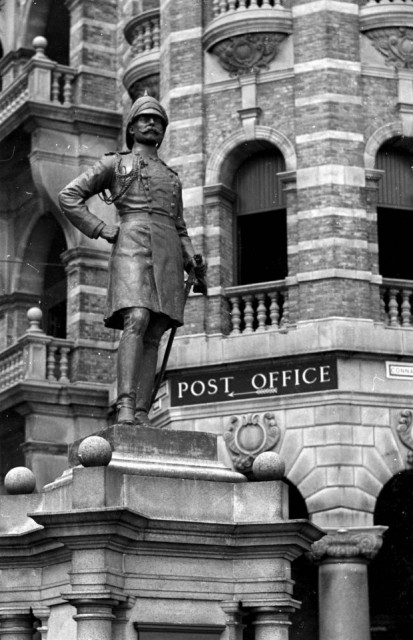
(349,543)
(248,436)
(395,44)
(404,430)
(247,53)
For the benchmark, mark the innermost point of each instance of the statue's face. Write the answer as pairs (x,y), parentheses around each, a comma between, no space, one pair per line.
(148,129)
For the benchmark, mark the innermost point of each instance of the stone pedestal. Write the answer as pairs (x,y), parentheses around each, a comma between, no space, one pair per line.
(94,615)
(16,625)
(343,555)
(272,623)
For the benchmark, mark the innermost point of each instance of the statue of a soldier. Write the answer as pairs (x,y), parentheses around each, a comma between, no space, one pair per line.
(151,250)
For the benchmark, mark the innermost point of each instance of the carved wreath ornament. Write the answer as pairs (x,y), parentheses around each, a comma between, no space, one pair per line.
(247,436)
(395,44)
(404,430)
(247,53)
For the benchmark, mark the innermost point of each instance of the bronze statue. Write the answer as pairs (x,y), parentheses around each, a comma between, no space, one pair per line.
(151,250)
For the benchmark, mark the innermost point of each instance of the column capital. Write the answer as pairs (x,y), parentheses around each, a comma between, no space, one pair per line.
(350,544)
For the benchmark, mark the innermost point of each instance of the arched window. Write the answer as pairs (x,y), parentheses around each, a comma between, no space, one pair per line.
(260,225)
(51,19)
(43,273)
(395,209)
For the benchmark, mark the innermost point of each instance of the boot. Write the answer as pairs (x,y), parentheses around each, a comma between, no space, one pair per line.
(129,357)
(125,411)
(145,384)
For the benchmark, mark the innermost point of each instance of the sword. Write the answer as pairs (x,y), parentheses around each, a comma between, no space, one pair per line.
(190,281)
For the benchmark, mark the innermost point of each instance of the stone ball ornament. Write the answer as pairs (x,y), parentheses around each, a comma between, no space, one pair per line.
(19,481)
(268,465)
(94,451)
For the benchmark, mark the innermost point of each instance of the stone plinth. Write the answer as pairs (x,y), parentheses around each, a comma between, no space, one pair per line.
(167,453)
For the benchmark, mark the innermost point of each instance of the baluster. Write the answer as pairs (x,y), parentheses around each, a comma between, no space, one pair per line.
(215,8)
(393,308)
(67,89)
(248,313)
(266,3)
(405,309)
(137,46)
(156,34)
(261,312)
(383,313)
(242,4)
(231,5)
(64,364)
(51,361)
(285,320)
(56,86)
(235,315)
(222,6)
(277,3)
(274,308)
(253,4)
(147,37)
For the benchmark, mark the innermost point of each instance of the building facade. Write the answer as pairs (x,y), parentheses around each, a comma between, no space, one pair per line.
(291,127)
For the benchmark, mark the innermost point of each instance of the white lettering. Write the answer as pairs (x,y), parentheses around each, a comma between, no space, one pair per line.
(285,378)
(226,380)
(306,380)
(263,378)
(212,387)
(297,377)
(182,387)
(273,378)
(325,375)
(202,388)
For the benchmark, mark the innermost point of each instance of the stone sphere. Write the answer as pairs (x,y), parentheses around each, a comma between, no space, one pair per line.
(39,42)
(20,480)
(94,451)
(268,465)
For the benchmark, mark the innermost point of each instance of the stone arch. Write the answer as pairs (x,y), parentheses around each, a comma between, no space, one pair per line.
(379,137)
(51,19)
(227,157)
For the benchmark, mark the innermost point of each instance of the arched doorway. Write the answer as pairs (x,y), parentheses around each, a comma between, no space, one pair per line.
(391,572)
(43,273)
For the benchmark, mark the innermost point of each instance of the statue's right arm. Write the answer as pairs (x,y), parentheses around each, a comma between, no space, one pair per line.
(73,197)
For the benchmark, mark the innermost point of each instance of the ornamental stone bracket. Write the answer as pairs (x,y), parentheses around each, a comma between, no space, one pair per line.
(247,39)
(353,544)
(404,431)
(248,436)
(142,32)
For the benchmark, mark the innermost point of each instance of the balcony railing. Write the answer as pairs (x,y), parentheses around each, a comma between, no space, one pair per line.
(39,80)
(384,15)
(258,307)
(225,6)
(396,298)
(36,356)
(143,35)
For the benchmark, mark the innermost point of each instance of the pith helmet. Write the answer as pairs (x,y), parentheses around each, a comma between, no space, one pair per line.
(145,104)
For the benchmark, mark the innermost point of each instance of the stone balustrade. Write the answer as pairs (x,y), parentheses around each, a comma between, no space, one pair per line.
(39,80)
(146,35)
(396,297)
(36,356)
(258,307)
(225,6)
(389,2)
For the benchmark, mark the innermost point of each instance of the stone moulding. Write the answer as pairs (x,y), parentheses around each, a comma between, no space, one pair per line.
(376,15)
(404,431)
(247,40)
(248,436)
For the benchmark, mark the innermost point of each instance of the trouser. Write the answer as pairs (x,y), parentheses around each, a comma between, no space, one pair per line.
(137,357)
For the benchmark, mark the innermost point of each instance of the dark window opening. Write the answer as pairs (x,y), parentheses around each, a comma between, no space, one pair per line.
(11,439)
(57,32)
(395,208)
(54,299)
(391,571)
(261,220)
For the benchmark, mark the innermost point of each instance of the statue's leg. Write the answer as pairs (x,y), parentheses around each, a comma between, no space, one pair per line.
(130,355)
(157,327)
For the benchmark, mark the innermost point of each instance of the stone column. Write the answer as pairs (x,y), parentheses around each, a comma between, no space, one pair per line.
(272,623)
(94,615)
(16,624)
(343,555)
(234,619)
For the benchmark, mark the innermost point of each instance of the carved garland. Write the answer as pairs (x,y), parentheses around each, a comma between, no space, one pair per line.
(404,430)
(248,53)
(248,436)
(395,44)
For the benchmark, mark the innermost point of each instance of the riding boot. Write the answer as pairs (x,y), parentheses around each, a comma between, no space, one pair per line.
(146,382)
(129,361)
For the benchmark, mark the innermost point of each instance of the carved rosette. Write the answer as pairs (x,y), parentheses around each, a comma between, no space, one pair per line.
(347,544)
(395,44)
(248,53)
(248,436)
(404,431)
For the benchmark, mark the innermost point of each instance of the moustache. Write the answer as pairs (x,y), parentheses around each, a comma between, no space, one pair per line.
(155,129)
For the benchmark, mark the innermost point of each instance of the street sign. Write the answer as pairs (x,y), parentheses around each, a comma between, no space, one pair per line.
(235,381)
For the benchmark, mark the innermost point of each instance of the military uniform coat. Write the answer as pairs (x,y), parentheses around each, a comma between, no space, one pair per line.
(146,267)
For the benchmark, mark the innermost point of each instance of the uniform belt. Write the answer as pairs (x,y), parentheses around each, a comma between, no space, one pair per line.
(144,216)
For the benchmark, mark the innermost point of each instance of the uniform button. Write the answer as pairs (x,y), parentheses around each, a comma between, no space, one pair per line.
(149,199)
(172,204)
(174,194)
